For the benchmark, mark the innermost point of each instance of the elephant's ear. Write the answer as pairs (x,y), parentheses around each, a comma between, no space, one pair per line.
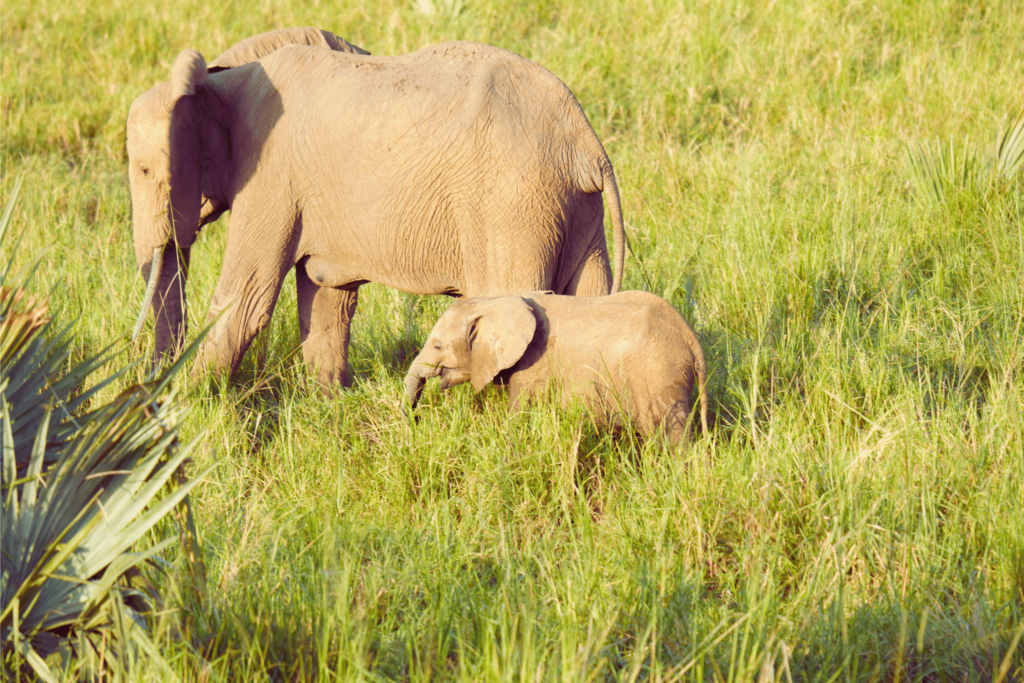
(188,74)
(498,337)
(259,46)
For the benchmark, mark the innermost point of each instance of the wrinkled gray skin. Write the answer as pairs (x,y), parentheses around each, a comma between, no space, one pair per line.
(416,171)
(628,353)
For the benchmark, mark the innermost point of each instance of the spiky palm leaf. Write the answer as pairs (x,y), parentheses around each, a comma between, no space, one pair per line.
(1010,149)
(32,364)
(78,491)
(942,171)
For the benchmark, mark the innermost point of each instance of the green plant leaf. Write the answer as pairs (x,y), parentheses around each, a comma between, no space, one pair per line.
(79,488)
(35,661)
(1010,149)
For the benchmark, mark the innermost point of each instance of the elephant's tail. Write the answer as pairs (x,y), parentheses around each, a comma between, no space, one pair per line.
(702,376)
(611,190)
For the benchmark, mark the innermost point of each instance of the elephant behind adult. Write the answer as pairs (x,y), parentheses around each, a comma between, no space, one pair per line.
(460,169)
(256,47)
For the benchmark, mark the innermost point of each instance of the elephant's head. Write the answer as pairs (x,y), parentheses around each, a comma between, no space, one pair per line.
(166,184)
(474,340)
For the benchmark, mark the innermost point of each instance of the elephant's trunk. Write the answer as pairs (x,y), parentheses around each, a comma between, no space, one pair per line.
(169,306)
(165,294)
(414,382)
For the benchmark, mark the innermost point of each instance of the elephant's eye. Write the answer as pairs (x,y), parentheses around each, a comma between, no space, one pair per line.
(145,171)
(437,345)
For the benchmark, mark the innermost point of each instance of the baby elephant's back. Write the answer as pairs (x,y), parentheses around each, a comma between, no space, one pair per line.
(634,340)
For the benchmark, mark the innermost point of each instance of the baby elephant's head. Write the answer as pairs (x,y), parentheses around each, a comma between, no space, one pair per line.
(474,340)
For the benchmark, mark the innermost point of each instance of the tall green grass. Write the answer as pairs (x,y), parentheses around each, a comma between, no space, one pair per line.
(855,514)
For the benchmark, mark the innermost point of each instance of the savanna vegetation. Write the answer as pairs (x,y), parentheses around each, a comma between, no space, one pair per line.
(817,186)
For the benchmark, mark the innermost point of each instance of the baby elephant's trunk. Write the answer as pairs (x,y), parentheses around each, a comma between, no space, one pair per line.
(414,382)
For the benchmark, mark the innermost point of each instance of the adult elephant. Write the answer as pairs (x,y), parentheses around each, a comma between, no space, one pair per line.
(167,282)
(460,169)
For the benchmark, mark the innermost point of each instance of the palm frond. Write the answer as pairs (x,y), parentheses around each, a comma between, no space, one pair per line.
(1010,148)
(940,172)
(79,489)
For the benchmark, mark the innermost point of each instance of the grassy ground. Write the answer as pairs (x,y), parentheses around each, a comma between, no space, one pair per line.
(855,513)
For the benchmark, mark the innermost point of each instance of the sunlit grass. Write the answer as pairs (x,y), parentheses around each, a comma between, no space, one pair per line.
(857,508)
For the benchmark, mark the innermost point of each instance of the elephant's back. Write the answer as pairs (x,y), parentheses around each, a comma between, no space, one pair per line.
(634,339)
(501,88)
(618,324)
(466,62)
(444,66)
(461,85)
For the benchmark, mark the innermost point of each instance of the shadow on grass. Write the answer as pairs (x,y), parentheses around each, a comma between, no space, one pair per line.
(401,603)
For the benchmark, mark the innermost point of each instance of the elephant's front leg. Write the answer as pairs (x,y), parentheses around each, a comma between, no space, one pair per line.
(325,319)
(244,301)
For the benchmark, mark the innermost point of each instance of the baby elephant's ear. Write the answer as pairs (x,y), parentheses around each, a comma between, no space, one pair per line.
(499,337)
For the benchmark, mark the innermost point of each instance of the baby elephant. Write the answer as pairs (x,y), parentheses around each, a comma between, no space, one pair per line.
(629,353)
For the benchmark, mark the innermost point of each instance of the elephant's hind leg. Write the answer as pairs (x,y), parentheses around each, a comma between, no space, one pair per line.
(677,425)
(586,249)
(594,277)
(325,319)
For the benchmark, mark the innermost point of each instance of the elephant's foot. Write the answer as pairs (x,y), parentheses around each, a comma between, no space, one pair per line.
(210,361)
(330,380)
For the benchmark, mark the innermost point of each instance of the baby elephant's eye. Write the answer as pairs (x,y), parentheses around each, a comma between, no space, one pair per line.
(437,345)
(145,171)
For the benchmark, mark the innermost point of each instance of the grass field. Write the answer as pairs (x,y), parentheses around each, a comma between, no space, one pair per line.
(856,512)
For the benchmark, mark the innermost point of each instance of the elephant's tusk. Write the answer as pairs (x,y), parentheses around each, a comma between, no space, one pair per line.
(154,276)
